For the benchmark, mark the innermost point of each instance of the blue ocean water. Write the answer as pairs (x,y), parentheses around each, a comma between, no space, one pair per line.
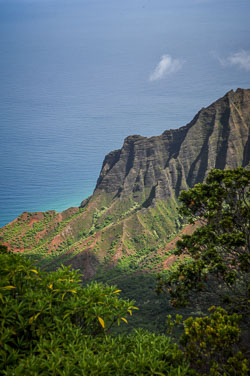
(75,81)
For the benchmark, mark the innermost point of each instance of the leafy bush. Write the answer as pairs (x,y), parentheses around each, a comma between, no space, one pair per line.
(51,325)
(210,343)
(35,303)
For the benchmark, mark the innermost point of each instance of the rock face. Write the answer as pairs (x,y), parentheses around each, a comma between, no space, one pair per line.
(158,167)
(131,217)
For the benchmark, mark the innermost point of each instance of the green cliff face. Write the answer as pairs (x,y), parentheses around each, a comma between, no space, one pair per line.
(132,215)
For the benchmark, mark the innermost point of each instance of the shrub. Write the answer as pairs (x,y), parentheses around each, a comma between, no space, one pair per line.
(69,354)
(35,304)
(51,325)
(210,343)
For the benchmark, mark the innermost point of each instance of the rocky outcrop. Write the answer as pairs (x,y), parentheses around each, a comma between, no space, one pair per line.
(158,167)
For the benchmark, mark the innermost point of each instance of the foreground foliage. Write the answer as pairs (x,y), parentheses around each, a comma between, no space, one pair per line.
(68,353)
(51,325)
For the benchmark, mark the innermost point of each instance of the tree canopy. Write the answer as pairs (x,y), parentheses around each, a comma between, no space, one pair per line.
(217,254)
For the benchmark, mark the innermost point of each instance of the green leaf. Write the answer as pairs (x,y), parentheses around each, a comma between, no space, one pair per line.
(67,314)
(63,295)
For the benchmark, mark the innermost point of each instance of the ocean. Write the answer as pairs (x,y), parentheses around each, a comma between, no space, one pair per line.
(78,76)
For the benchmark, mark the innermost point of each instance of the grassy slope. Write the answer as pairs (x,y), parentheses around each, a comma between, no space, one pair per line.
(116,242)
(109,232)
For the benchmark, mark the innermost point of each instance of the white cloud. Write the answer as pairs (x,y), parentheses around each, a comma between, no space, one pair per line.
(240,59)
(166,66)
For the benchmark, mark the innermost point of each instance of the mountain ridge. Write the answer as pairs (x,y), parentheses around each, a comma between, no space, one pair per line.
(214,125)
(133,213)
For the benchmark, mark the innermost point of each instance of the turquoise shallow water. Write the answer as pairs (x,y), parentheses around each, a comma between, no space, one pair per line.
(74,82)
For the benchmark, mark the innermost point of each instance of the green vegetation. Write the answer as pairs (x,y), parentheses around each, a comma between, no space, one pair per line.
(51,325)
(21,234)
(140,287)
(212,343)
(219,250)
(61,225)
(217,271)
(109,229)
